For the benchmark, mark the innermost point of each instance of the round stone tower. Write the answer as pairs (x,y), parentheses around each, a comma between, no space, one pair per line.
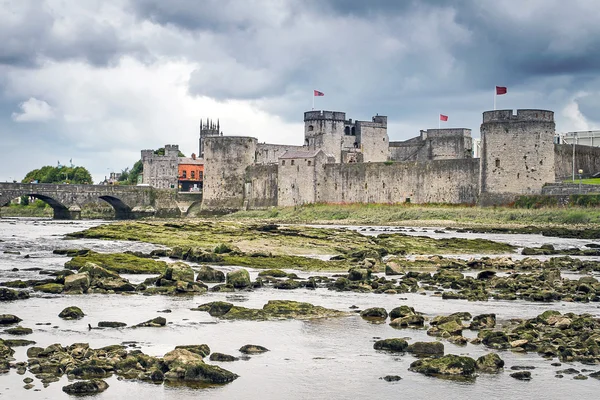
(517,154)
(324,130)
(225,161)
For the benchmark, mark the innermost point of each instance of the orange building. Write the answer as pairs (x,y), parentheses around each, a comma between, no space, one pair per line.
(190,174)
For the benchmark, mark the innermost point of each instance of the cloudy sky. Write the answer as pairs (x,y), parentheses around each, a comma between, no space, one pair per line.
(96,81)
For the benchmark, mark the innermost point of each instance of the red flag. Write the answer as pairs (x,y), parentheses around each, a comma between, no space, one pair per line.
(443,117)
(317,93)
(501,90)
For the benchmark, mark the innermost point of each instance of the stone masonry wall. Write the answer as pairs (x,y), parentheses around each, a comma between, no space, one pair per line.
(443,181)
(226,159)
(587,158)
(374,141)
(517,152)
(261,186)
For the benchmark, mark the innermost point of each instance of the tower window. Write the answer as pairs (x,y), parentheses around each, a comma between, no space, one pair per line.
(292,162)
(309,163)
(311,128)
(353,131)
(282,162)
(347,131)
(497,162)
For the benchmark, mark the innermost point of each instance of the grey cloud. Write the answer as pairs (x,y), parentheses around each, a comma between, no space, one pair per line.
(33,34)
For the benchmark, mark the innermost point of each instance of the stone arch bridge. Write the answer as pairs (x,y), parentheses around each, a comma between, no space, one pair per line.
(129,202)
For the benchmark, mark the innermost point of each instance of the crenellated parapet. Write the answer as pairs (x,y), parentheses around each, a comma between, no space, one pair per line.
(524,115)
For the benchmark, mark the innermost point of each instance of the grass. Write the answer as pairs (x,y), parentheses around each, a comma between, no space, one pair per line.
(432,215)
(589,181)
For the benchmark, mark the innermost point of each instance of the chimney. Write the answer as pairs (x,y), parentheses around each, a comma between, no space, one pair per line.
(193,156)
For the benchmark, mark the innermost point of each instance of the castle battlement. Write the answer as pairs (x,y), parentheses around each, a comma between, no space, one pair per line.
(525,115)
(325,115)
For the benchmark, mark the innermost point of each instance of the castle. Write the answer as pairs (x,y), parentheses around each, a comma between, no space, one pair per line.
(346,161)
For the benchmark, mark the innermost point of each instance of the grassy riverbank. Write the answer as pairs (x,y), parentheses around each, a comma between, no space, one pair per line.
(431,215)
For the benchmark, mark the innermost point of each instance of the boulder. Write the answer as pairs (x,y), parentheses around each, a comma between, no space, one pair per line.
(409,320)
(154,323)
(447,329)
(180,357)
(374,313)
(210,275)
(222,357)
(9,319)
(392,268)
(19,331)
(215,308)
(359,274)
(521,375)
(239,279)
(490,363)
(11,295)
(71,313)
(448,365)
(77,283)
(201,349)
(394,344)
(253,349)
(483,321)
(495,340)
(402,311)
(86,387)
(426,349)
(275,273)
(201,372)
(88,371)
(111,324)
(288,284)
(54,288)
(179,271)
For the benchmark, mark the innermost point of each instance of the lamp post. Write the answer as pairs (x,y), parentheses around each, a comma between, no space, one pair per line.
(580,173)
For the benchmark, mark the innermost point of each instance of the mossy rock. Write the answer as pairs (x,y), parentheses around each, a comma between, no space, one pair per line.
(86,387)
(154,323)
(9,319)
(12,295)
(111,324)
(409,320)
(483,321)
(19,330)
(495,340)
(274,309)
(374,313)
(490,363)
(402,311)
(210,275)
(179,271)
(215,308)
(201,349)
(253,349)
(288,284)
(426,349)
(120,263)
(239,279)
(222,357)
(394,345)
(71,313)
(54,288)
(275,273)
(449,365)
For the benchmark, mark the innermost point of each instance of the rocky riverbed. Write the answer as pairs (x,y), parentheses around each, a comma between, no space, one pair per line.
(178,310)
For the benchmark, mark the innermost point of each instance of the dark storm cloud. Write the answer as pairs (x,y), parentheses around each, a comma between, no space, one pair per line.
(32,33)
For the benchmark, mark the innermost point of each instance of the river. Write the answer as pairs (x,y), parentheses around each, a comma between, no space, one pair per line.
(319,359)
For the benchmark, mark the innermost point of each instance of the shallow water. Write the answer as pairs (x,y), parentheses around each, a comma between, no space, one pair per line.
(319,359)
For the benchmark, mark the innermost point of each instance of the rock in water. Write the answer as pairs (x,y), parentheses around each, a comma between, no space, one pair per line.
(179,271)
(200,349)
(155,322)
(239,279)
(490,363)
(222,357)
(395,344)
(402,311)
(374,313)
(391,378)
(111,324)
(253,349)
(522,375)
(86,387)
(9,319)
(210,275)
(11,295)
(19,330)
(483,321)
(426,349)
(77,283)
(71,313)
(448,365)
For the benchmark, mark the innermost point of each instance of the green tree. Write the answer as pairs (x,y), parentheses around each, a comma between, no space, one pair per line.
(62,174)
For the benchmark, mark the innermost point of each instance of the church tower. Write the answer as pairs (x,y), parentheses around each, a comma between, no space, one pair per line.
(208,128)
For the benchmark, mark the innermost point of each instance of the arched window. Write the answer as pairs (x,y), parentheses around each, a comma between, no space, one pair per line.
(353,131)
(311,128)
(347,131)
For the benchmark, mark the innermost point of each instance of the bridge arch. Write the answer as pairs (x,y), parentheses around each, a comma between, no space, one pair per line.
(60,210)
(122,210)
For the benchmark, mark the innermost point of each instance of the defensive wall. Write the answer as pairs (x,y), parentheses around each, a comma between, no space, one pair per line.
(587,158)
(434,144)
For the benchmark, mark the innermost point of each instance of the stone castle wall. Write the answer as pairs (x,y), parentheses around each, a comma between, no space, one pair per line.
(443,181)
(270,153)
(517,152)
(434,144)
(587,158)
(226,159)
(260,188)
(161,171)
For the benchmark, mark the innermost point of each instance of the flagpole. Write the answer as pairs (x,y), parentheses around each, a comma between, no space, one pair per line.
(313,101)
(495,98)
(439,122)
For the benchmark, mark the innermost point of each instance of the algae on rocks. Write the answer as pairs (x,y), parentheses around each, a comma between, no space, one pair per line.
(274,309)
(122,263)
